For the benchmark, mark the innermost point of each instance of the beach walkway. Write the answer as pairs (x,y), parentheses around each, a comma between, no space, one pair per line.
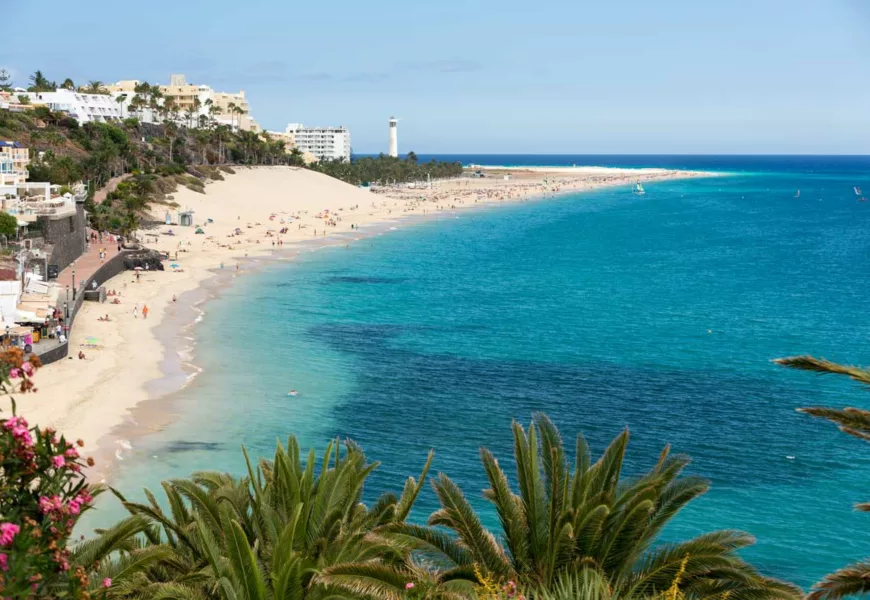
(87,264)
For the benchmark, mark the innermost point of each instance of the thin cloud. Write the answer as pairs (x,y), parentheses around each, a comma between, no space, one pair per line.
(445,65)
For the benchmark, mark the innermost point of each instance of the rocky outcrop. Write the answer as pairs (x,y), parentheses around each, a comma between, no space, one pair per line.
(149,260)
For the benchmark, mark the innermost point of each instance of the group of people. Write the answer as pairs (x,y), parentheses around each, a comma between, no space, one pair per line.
(144,310)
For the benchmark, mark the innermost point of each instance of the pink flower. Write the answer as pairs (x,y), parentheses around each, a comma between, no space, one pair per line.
(8,531)
(4,562)
(71,453)
(14,422)
(49,505)
(27,368)
(75,507)
(18,427)
(14,373)
(107,582)
(58,461)
(409,585)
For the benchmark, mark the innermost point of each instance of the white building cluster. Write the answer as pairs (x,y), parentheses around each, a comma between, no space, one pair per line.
(192,106)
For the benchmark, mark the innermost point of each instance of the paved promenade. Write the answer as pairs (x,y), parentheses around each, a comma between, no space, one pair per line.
(87,264)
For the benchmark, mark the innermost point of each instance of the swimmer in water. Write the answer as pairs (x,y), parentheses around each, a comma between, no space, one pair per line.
(292,393)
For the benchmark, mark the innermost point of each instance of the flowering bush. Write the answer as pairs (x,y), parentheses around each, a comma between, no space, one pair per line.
(42,494)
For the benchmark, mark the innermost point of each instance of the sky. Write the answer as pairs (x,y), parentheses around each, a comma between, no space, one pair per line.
(487,76)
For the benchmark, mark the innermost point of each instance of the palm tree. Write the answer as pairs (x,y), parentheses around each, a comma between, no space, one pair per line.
(40,83)
(197,105)
(563,520)
(239,111)
(68,84)
(154,101)
(121,99)
(853,579)
(170,130)
(96,87)
(289,530)
(188,115)
(231,109)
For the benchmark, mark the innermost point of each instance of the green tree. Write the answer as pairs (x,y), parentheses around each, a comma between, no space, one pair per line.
(121,99)
(8,225)
(68,84)
(292,529)
(562,520)
(39,83)
(853,579)
(231,109)
(96,87)
(296,158)
(5,80)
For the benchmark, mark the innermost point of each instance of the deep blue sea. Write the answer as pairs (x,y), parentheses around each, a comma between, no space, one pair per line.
(607,310)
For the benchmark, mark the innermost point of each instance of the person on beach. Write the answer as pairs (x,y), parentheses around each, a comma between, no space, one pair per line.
(145,312)
(173,297)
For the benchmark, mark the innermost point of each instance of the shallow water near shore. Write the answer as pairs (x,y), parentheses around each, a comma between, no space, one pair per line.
(605,309)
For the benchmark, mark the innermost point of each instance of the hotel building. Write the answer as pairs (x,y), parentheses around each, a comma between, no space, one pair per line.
(14,159)
(186,96)
(325,143)
(84,108)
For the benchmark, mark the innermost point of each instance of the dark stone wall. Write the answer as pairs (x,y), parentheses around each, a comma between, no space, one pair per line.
(66,237)
(114,266)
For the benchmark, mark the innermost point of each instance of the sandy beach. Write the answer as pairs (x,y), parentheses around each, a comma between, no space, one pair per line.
(251,214)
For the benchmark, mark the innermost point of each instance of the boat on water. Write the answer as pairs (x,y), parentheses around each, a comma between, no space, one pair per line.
(638,189)
(798,194)
(857,190)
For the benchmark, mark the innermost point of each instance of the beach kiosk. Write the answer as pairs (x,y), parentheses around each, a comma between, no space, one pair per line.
(186,218)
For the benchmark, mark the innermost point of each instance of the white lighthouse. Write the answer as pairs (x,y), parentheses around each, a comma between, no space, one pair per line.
(394,137)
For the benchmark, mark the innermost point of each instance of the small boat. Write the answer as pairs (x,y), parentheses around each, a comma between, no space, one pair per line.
(798,194)
(857,190)
(638,189)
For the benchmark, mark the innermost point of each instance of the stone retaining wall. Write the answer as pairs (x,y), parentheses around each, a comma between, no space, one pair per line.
(66,237)
(114,266)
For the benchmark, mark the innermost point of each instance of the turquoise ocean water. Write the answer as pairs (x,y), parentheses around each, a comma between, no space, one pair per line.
(659,312)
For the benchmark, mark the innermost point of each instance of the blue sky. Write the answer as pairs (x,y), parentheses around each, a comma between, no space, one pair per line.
(609,76)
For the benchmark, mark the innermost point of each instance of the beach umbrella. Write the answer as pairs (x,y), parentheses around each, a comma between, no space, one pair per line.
(137,268)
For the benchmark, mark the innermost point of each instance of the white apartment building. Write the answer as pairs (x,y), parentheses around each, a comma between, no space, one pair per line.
(84,108)
(14,159)
(325,143)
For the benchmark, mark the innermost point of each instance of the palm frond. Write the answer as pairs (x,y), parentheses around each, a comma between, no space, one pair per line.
(853,580)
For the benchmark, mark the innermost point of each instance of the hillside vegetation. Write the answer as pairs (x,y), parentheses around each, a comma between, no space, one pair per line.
(159,158)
